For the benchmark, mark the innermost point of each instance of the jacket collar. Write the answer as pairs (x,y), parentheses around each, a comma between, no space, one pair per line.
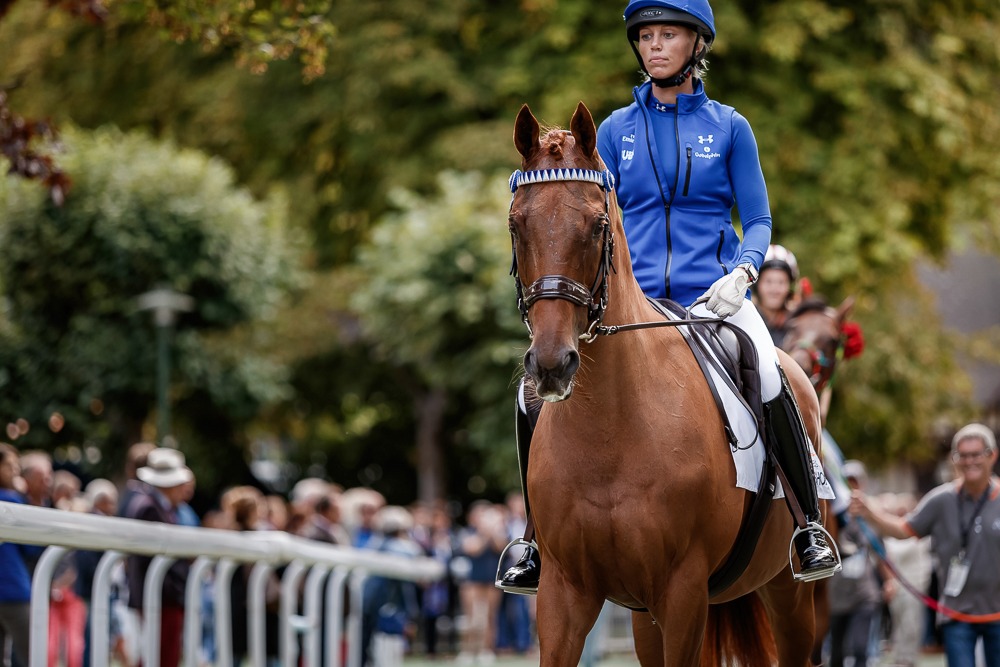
(686,104)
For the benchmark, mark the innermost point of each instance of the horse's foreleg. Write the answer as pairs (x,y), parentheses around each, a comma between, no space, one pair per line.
(680,615)
(565,615)
(648,640)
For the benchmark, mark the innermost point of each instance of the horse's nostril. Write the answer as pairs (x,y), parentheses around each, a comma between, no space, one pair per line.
(572,362)
(530,364)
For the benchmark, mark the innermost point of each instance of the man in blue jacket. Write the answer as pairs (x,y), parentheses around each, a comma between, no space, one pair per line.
(681,162)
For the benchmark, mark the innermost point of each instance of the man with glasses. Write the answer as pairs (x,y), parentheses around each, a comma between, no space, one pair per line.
(962,518)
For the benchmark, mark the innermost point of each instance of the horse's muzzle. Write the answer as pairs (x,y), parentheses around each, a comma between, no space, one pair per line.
(553,373)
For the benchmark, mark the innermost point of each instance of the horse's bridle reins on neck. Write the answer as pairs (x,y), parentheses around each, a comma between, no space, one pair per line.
(554,286)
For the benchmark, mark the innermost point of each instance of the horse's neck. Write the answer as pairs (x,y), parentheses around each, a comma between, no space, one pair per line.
(617,360)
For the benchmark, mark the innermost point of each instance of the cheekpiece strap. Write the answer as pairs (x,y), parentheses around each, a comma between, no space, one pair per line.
(602,178)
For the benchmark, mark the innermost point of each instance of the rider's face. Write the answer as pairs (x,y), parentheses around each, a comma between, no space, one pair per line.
(773,287)
(665,48)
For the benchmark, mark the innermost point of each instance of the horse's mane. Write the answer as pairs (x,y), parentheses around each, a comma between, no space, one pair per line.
(814,304)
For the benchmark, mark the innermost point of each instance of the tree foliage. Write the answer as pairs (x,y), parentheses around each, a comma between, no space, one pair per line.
(437,302)
(142,214)
(875,123)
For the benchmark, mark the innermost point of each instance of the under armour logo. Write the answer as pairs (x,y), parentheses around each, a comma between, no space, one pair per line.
(702,139)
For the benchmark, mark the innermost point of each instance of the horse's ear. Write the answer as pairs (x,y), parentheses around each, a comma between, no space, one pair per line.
(584,130)
(525,132)
(844,309)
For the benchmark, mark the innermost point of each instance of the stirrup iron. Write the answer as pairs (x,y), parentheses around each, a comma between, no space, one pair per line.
(818,574)
(519,542)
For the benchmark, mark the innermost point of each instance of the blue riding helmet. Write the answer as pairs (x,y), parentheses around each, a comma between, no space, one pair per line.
(694,13)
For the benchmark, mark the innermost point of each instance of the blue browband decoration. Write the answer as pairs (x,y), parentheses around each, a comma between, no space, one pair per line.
(602,178)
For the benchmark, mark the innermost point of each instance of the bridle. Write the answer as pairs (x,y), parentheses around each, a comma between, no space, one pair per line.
(594,298)
(822,365)
(554,286)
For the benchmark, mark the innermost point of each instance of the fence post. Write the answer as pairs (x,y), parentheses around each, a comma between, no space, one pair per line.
(100,607)
(41,585)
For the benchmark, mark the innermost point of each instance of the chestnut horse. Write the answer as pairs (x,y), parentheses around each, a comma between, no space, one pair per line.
(631,481)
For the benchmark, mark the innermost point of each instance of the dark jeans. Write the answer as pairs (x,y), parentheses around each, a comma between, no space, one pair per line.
(960,643)
(849,634)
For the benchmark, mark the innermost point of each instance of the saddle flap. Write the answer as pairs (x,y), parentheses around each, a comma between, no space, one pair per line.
(728,349)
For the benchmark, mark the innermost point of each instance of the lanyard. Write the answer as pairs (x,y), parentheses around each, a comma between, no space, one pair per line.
(975,514)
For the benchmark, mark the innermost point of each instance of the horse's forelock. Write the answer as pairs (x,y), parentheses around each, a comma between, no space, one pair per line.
(555,142)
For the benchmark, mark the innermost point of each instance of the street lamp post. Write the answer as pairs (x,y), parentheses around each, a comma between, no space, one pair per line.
(165,304)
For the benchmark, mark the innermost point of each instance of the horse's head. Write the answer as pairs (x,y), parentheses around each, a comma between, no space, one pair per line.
(815,336)
(561,232)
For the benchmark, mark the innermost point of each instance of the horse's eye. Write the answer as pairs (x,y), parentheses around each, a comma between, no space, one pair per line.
(600,221)
(512,223)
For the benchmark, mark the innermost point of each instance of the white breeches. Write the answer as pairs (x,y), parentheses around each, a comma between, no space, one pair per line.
(749,320)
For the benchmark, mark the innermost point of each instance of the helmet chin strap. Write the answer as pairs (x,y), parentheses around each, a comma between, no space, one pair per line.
(680,77)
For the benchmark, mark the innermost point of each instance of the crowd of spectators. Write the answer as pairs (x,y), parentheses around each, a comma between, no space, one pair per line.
(461,618)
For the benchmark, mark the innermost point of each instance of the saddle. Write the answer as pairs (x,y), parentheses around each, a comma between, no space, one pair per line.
(731,352)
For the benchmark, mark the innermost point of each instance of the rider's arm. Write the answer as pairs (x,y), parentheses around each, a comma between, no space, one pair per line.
(750,192)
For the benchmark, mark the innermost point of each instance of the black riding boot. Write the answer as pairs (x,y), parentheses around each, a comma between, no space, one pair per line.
(791,445)
(522,577)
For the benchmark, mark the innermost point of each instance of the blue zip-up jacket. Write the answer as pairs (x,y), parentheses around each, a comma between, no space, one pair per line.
(677,209)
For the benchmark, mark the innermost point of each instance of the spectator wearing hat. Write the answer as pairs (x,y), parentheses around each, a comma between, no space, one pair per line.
(962,518)
(167,478)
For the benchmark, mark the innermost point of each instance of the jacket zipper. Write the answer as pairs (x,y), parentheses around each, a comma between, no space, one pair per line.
(718,252)
(687,172)
(663,198)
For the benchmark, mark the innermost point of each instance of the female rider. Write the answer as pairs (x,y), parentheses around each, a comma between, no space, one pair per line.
(775,290)
(681,161)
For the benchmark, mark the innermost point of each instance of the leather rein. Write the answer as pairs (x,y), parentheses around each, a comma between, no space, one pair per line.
(555,286)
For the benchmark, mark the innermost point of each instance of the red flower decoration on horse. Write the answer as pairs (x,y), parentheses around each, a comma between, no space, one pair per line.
(854,340)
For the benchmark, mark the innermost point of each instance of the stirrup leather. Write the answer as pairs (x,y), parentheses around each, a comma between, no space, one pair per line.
(519,542)
(821,573)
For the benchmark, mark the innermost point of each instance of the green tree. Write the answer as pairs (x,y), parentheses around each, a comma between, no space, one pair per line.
(875,124)
(438,305)
(141,214)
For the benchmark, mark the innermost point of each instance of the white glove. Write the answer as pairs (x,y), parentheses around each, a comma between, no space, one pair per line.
(727,294)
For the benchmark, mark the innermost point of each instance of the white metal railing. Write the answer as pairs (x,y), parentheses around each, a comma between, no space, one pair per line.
(307,560)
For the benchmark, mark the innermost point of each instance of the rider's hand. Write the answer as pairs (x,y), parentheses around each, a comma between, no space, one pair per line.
(726,296)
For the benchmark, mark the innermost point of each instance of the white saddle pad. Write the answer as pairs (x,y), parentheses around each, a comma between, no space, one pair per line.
(749,454)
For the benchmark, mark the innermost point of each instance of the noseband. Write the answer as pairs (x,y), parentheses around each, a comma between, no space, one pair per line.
(554,286)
